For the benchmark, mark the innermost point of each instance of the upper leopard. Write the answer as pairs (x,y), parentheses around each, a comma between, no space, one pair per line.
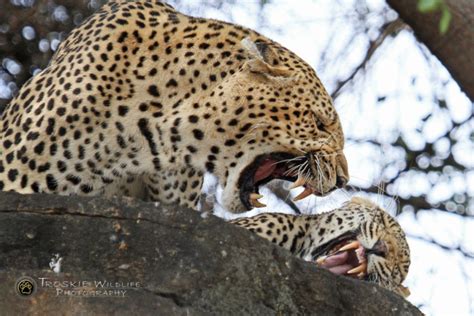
(142,100)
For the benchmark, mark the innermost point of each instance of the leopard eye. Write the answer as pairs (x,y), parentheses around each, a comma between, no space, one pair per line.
(319,124)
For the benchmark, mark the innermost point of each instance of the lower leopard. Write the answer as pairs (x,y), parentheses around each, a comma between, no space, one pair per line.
(359,239)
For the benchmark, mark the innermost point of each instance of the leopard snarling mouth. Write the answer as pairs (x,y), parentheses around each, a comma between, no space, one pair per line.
(266,168)
(344,256)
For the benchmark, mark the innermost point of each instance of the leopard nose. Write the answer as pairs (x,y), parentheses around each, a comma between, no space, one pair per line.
(341,181)
(342,172)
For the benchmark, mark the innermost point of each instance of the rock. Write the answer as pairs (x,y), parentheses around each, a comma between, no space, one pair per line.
(165,259)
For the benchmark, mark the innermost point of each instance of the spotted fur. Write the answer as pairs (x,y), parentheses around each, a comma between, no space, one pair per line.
(142,100)
(303,235)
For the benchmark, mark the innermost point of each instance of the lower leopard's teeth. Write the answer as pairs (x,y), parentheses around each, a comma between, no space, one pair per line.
(321,260)
(359,269)
(352,245)
(302,195)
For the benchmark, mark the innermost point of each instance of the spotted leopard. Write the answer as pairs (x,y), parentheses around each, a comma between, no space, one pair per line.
(359,239)
(141,100)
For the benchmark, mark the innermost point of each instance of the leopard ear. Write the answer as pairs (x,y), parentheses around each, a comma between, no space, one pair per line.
(264,59)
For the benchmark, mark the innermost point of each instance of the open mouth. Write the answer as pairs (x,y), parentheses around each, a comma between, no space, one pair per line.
(266,168)
(344,256)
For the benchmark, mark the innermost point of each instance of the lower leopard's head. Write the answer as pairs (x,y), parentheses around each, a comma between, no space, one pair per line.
(367,243)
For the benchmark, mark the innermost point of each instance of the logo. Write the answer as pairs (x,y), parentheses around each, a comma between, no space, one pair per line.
(25,286)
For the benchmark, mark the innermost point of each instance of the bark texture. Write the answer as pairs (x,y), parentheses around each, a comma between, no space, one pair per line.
(184,264)
(455,48)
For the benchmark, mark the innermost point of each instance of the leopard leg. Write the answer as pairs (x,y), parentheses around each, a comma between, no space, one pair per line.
(181,186)
(132,186)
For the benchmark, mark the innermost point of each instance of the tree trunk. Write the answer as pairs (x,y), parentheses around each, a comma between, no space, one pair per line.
(455,49)
(168,260)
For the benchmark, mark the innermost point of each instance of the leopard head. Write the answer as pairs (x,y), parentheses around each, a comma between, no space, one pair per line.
(363,241)
(276,121)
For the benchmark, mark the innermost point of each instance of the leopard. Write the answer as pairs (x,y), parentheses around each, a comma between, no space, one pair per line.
(141,100)
(358,240)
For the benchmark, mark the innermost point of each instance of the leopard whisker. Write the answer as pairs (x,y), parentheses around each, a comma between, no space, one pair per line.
(288,160)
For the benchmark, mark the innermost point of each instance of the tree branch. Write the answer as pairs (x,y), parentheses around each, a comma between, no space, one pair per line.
(454,49)
(386,30)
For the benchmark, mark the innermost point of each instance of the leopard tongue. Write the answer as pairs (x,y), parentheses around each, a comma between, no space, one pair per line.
(335,260)
(337,263)
(342,269)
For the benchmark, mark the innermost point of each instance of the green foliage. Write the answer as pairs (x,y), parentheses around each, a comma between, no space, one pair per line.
(445,20)
(426,6)
(429,5)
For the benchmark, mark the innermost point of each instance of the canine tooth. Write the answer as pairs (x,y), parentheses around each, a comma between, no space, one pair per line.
(352,245)
(254,200)
(302,195)
(255,196)
(299,182)
(321,260)
(256,203)
(361,268)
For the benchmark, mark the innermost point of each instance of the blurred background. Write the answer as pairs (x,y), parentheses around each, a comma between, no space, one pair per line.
(408,125)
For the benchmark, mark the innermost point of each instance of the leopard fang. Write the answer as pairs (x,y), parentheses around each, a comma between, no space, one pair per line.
(359,269)
(299,182)
(352,245)
(302,195)
(254,200)
(255,196)
(321,260)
